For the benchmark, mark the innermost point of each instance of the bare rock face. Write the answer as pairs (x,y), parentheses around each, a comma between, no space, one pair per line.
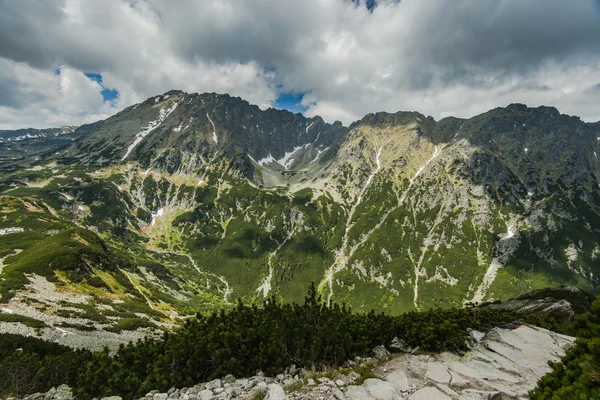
(561,303)
(504,364)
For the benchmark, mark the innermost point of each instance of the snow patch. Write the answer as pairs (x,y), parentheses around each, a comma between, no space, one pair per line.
(509,234)
(309,126)
(526,150)
(152,125)
(158,214)
(214,136)
(26,136)
(319,152)
(288,159)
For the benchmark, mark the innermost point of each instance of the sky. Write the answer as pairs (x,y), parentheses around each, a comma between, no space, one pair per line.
(66,62)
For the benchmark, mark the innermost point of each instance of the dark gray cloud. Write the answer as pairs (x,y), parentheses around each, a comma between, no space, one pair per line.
(457,57)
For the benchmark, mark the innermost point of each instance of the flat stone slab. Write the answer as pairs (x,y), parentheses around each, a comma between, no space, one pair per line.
(429,393)
(399,380)
(381,390)
(437,372)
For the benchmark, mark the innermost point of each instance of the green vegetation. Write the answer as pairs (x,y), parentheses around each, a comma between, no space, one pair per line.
(577,376)
(29,365)
(240,341)
(130,324)
(27,321)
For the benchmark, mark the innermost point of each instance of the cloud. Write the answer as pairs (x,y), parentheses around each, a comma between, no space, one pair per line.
(350,57)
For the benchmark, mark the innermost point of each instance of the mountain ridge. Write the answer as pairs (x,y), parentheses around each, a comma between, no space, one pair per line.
(205,198)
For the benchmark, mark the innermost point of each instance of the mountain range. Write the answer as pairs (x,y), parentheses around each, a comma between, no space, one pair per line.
(189,202)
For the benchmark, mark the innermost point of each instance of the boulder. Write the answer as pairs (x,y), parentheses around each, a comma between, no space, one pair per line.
(399,345)
(275,392)
(381,353)
(214,384)
(35,396)
(357,393)
(63,392)
(337,393)
(206,394)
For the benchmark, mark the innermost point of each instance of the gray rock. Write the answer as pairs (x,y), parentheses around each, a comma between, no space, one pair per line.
(340,382)
(357,393)
(218,390)
(63,392)
(399,345)
(160,396)
(326,381)
(192,396)
(35,396)
(399,380)
(457,381)
(472,394)
(287,382)
(112,398)
(206,394)
(476,336)
(437,372)
(381,353)
(381,390)
(311,382)
(214,384)
(275,392)
(447,390)
(261,385)
(429,393)
(337,393)
(293,370)
(50,394)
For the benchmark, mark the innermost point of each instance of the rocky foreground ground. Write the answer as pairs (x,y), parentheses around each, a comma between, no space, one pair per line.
(502,364)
